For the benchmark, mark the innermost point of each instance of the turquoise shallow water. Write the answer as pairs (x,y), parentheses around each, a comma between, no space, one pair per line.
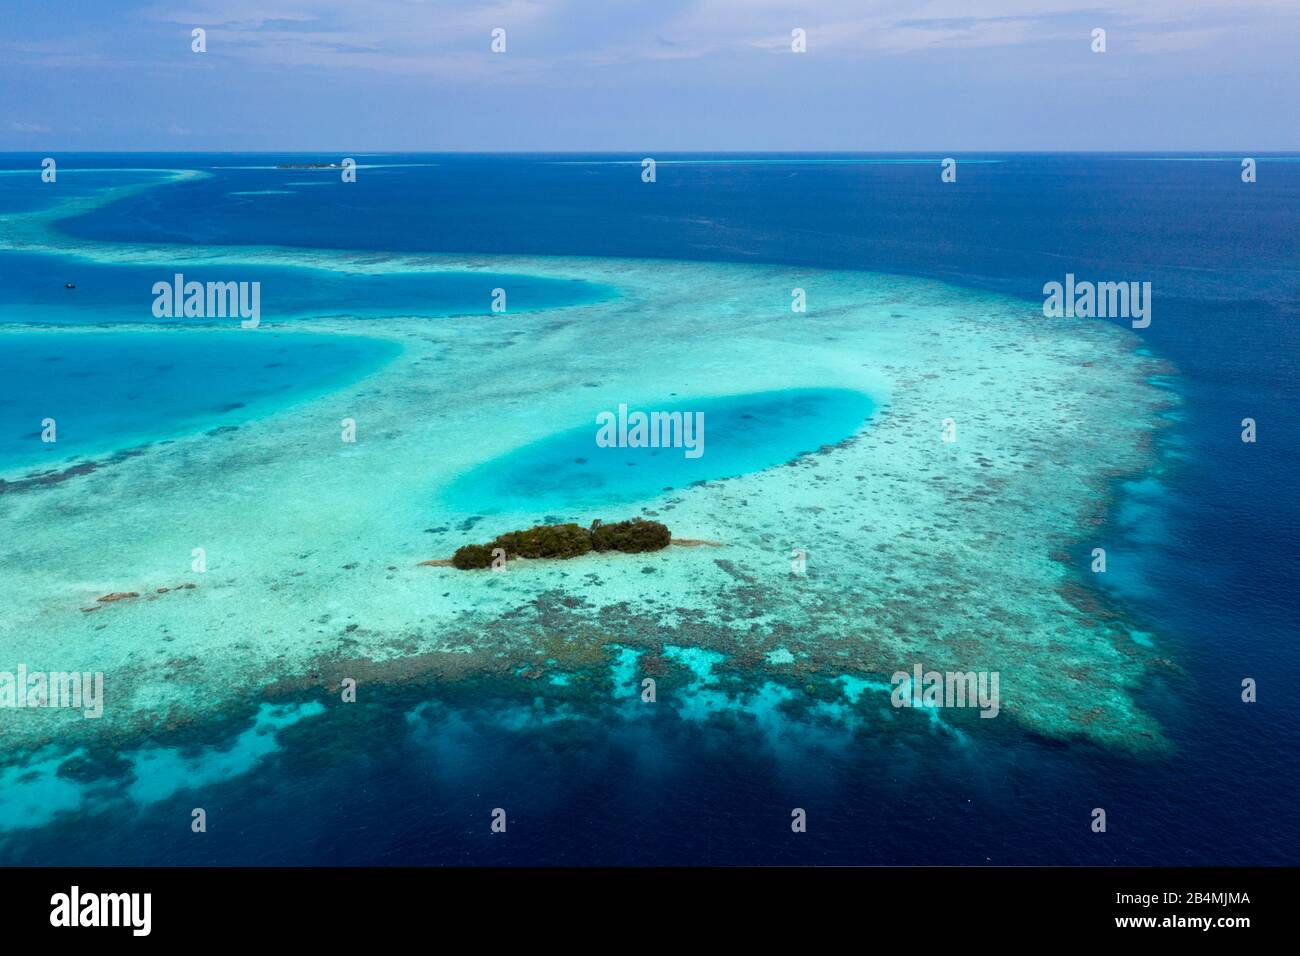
(742,434)
(110,390)
(23,191)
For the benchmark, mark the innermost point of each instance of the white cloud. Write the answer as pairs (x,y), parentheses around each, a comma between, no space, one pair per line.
(449,39)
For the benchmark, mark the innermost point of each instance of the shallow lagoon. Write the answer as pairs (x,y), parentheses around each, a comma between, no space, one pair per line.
(742,433)
(33,289)
(108,391)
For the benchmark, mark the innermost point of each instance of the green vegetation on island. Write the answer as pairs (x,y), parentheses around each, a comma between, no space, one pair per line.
(566,541)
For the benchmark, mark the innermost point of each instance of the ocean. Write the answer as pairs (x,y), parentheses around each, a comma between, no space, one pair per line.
(521,693)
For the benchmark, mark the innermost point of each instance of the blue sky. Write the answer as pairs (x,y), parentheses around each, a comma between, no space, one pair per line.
(362,75)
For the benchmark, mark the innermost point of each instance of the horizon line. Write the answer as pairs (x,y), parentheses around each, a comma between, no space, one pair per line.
(676,152)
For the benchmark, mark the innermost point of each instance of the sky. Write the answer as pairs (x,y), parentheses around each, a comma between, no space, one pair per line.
(630,75)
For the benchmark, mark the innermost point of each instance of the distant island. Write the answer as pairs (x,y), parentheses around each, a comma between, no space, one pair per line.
(308,166)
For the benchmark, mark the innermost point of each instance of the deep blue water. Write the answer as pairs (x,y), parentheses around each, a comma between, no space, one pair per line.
(1211,568)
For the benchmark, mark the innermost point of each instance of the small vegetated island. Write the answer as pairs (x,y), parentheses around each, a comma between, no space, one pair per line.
(566,541)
